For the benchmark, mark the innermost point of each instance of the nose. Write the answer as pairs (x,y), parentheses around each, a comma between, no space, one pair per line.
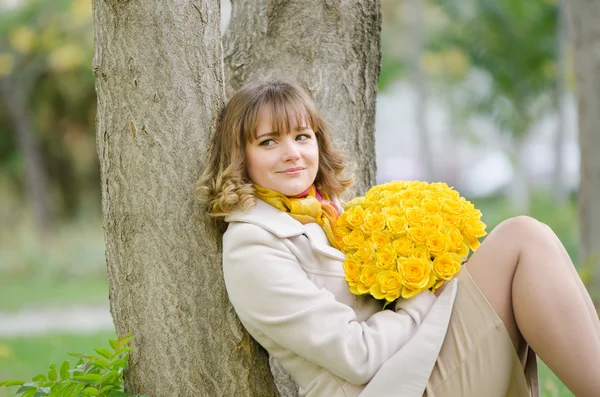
(290,151)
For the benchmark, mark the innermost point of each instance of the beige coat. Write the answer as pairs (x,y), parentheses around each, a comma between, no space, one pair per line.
(287,286)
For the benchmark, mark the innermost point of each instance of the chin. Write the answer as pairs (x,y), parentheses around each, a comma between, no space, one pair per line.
(294,190)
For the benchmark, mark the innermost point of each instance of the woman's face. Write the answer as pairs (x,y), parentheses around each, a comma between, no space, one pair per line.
(284,163)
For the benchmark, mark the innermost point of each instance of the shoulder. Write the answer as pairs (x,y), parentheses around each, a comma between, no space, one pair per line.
(267,217)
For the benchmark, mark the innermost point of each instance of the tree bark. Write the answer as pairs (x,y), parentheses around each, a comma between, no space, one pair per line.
(331,47)
(159,82)
(584,18)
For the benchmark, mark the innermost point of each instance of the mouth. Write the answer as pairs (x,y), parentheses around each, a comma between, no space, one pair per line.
(292,171)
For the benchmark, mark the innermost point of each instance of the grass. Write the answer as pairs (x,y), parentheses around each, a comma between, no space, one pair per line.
(24,357)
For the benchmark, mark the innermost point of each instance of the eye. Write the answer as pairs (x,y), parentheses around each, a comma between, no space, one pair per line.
(303,137)
(267,142)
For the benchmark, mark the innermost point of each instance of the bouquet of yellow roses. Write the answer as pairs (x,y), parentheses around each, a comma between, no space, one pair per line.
(402,238)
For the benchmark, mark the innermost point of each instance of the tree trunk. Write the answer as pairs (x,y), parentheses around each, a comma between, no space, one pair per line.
(331,47)
(415,22)
(159,82)
(558,182)
(585,15)
(36,179)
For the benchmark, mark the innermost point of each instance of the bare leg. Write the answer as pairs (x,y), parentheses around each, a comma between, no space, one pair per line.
(521,270)
(584,292)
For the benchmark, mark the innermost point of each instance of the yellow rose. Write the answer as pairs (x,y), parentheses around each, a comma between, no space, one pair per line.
(353,203)
(352,269)
(364,251)
(342,220)
(433,222)
(446,266)
(416,274)
(420,252)
(392,200)
(380,239)
(354,238)
(402,245)
(411,202)
(368,277)
(393,211)
(452,206)
(373,222)
(456,239)
(415,215)
(431,206)
(355,216)
(417,234)
(388,286)
(450,220)
(463,252)
(386,259)
(438,243)
(397,224)
(474,228)
(472,242)
(340,232)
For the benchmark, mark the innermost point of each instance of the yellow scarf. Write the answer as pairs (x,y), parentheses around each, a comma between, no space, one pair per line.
(304,209)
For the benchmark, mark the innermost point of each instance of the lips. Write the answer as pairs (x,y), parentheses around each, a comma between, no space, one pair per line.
(291,170)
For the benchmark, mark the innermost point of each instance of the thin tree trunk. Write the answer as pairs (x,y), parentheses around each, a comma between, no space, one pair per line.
(36,180)
(415,22)
(159,82)
(586,33)
(558,183)
(331,47)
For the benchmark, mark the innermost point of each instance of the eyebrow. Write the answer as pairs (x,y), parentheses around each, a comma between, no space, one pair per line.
(275,133)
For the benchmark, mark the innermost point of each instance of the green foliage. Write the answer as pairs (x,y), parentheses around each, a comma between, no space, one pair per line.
(514,42)
(94,375)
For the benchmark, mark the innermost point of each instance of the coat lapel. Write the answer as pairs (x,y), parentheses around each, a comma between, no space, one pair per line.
(284,226)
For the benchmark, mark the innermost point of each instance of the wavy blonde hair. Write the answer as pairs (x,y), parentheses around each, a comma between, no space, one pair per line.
(224,183)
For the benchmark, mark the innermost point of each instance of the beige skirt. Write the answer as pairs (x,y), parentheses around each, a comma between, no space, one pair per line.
(478,358)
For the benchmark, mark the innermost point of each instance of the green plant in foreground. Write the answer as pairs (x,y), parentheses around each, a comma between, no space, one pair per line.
(100,375)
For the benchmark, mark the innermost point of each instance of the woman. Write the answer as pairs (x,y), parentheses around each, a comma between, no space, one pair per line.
(271,160)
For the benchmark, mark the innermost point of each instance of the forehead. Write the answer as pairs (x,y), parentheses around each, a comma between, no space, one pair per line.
(281,118)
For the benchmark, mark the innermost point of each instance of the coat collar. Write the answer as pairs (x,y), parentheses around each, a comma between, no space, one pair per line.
(283,225)
(268,217)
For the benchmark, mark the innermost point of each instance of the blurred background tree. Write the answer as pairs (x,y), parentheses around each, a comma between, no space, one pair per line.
(47,149)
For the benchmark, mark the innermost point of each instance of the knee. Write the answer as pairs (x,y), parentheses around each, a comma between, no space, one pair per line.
(525,229)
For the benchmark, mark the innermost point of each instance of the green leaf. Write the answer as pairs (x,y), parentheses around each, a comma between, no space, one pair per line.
(113,344)
(104,353)
(25,388)
(52,373)
(121,351)
(106,388)
(39,378)
(118,363)
(100,363)
(90,391)
(125,341)
(74,390)
(64,370)
(30,392)
(91,377)
(77,355)
(7,383)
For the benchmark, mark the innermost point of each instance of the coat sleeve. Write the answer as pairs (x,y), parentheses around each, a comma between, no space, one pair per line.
(271,293)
